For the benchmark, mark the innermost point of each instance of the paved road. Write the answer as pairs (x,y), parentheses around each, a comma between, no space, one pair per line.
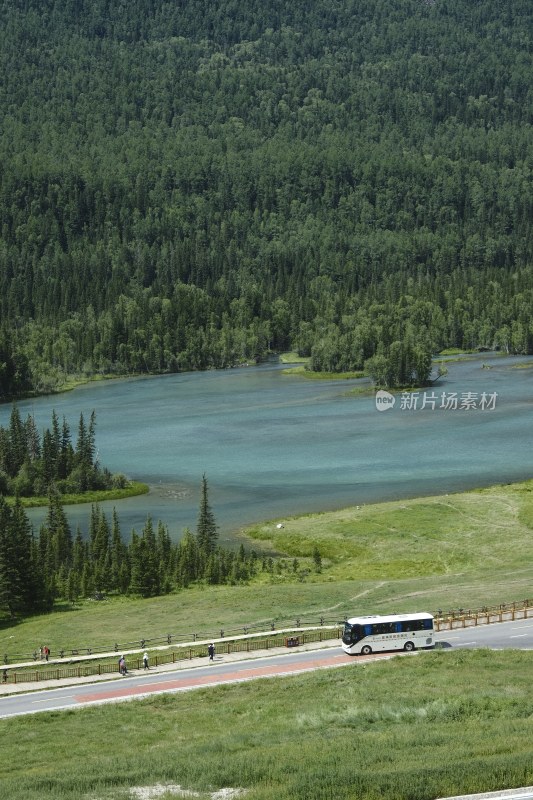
(518,634)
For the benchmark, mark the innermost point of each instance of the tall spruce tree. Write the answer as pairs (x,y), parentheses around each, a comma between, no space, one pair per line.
(58,533)
(206,528)
(21,582)
(10,586)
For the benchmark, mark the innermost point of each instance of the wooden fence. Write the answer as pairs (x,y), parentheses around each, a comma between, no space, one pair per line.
(484,616)
(459,618)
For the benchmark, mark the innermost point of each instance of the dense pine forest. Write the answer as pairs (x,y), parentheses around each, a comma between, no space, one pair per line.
(36,570)
(196,184)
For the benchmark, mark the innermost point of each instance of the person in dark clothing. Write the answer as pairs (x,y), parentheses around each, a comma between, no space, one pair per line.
(211,651)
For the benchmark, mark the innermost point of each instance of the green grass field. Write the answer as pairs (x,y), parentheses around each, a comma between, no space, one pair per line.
(413,728)
(458,551)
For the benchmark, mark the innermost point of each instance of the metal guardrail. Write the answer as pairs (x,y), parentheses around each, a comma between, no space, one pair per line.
(184,653)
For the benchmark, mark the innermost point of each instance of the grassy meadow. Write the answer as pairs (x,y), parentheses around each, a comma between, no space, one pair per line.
(458,551)
(436,724)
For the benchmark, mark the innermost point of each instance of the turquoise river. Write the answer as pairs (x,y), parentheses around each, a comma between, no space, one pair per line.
(273,445)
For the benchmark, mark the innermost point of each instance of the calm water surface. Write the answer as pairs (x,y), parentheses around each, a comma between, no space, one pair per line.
(273,445)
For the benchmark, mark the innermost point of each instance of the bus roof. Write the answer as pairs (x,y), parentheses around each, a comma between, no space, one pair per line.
(388,618)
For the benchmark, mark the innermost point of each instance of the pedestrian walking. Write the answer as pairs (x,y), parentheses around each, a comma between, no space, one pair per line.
(46,652)
(211,651)
(122,665)
(145,661)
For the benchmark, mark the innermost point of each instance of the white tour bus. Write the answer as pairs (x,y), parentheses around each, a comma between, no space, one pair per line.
(367,635)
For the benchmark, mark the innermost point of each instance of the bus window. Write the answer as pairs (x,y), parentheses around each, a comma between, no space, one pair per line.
(357,633)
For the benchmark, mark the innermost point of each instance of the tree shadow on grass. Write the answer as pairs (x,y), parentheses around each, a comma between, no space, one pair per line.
(7,622)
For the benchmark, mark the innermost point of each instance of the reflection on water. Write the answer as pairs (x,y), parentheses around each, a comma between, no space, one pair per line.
(272,445)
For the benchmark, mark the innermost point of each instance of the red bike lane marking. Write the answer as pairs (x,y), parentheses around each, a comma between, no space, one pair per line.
(206,679)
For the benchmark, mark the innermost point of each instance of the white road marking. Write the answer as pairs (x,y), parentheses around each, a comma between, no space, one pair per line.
(518,636)
(63,697)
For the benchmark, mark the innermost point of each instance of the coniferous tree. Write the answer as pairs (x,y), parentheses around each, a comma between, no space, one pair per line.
(11,589)
(22,588)
(187,559)
(82,449)
(58,534)
(32,586)
(17,442)
(119,558)
(65,461)
(139,573)
(206,527)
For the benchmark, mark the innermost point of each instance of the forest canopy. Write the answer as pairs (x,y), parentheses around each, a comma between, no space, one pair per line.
(192,185)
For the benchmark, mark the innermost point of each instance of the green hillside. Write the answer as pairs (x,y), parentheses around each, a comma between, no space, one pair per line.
(188,185)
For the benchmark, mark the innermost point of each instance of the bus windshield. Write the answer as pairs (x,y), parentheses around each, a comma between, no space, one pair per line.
(352,633)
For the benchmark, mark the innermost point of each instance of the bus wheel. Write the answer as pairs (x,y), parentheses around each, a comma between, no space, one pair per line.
(366,650)
(409,647)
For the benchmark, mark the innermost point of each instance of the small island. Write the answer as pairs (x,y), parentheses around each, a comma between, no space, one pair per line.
(32,464)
